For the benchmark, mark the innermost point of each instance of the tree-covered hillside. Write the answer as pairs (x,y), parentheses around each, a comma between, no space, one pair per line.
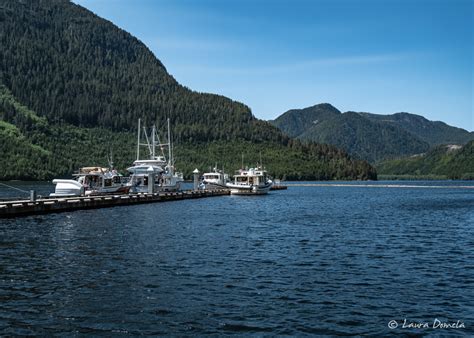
(71,66)
(445,161)
(432,132)
(73,85)
(369,136)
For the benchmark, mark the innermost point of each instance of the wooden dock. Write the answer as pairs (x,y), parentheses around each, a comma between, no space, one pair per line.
(54,205)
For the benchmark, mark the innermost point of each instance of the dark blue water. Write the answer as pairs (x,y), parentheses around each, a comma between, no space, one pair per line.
(306,261)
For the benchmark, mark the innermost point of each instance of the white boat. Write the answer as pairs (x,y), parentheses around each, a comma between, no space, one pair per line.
(91,181)
(214,180)
(157,167)
(253,181)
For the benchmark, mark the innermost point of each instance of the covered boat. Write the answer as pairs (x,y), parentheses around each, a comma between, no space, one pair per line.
(216,179)
(91,181)
(254,181)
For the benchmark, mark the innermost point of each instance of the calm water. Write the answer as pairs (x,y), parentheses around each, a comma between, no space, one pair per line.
(306,261)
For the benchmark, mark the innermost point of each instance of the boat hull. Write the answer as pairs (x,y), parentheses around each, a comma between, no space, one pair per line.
(157,188)
(65,188)
(71,188)
(213,186)
(243,189)
(122,189)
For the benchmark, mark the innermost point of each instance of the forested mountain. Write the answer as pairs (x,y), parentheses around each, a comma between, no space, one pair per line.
(433,132)
(73,85)
(369,136)
(445,161)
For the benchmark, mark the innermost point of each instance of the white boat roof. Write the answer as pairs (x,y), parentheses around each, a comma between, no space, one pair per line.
(213,174)
(143,168)
(250,172)
(149,163)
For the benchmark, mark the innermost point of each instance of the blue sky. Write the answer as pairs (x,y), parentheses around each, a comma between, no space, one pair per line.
(378,56)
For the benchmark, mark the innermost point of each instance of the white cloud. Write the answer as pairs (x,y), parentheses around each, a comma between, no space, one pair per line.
(299,66)
(188,44)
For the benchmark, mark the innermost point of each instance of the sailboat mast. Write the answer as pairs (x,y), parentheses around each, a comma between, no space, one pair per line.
(138,141)
(169,144)
(153,142)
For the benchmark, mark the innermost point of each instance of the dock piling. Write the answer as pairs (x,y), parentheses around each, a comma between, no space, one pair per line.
(33,195)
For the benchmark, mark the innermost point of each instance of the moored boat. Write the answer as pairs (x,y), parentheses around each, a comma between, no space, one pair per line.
(91,181)
(216,179)
(254,181)
(156,167)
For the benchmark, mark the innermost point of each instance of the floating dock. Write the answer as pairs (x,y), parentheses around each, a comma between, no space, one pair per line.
(54,205)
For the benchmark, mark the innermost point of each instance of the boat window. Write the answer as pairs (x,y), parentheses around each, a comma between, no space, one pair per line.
(108,182)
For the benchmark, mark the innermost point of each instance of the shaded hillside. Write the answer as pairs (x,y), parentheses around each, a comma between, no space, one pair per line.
(359,136)
(73,85)
(296,122)
(433,132)
(369,136)
(446,161)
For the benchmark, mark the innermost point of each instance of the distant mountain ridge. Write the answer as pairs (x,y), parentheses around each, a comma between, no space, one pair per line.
(369,136)
(433,132)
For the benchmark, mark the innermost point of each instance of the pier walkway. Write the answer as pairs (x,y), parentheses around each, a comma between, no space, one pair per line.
(54,205)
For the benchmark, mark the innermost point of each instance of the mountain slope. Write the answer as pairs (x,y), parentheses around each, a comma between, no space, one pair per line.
(296,122)
(71,66)
(359,136)
(88,82)
(369,136)
(450,161)
(433,132)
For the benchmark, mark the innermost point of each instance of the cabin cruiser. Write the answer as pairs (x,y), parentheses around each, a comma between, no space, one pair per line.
(156,167)
(214,180)
(164,178)
(253,181)
(91,181)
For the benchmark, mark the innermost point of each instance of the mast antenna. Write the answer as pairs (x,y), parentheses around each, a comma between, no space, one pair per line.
(138,141)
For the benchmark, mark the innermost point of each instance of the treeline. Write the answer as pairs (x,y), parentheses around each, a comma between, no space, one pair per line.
(440,162)
(295,162)
(34,149)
